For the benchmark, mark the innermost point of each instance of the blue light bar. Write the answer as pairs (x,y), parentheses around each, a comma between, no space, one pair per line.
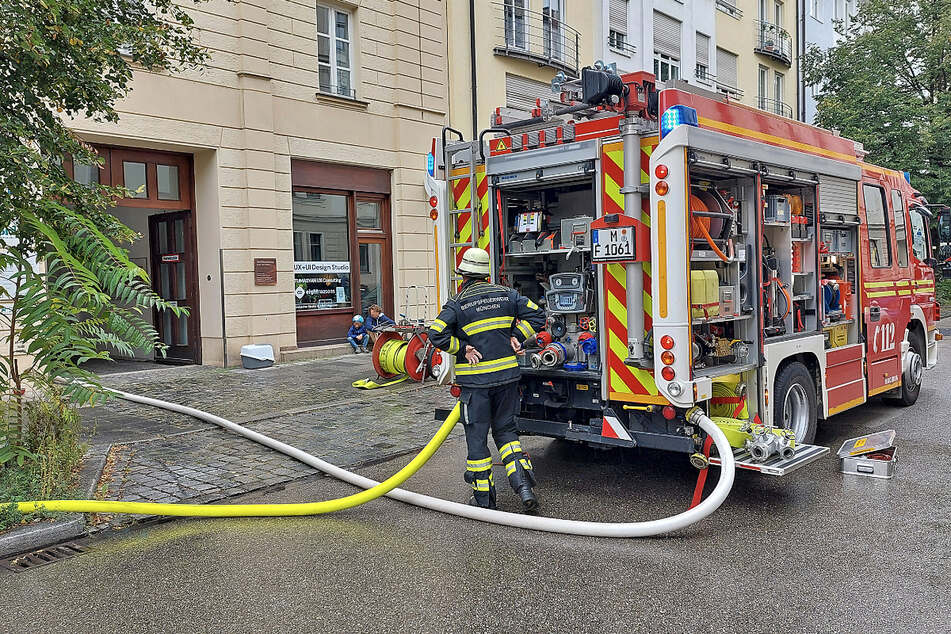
(907,176)
(431,164)
(677,116)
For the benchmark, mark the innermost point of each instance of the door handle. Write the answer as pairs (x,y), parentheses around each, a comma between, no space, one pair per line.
(874,312)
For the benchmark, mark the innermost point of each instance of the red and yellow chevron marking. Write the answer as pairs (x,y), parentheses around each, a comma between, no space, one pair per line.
(625,383)
(461,194)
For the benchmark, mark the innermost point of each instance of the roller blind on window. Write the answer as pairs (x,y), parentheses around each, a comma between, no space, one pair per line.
(617,16)
(726,68)
(666,35)
(703,49)
(521,92)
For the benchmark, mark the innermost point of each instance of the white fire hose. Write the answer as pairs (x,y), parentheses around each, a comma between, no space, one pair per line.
(531,522)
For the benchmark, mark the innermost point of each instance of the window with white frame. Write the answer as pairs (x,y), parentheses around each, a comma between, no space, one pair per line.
(778,86)
(666,68)
(617,24)
(702,71)
(762,86)
(667,33)
(334,51)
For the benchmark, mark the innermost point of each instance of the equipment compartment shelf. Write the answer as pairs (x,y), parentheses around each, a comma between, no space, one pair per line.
(716,320)
(833,324)
(703,255)
(722,370)
(588,375)
(552,252)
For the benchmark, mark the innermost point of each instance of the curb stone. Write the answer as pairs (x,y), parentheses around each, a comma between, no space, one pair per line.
(34,536)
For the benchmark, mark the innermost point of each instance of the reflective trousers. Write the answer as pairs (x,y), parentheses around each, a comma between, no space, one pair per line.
(485,409)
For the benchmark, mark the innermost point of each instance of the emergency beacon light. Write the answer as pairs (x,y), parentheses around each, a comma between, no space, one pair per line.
(677,116)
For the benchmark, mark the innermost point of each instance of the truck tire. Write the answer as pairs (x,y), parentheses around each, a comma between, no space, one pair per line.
(907,394)
(794,406)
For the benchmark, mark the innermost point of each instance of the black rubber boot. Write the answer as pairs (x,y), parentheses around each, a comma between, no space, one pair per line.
(522,480)
(481,496)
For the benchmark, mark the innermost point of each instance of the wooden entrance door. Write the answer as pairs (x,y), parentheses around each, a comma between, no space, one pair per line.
(172,247)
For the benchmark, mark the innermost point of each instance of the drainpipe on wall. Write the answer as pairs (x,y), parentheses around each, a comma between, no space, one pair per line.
(802,50)
(472,70)
(221,283)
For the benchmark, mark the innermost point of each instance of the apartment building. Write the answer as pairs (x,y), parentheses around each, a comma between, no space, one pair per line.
(672,39)
(280,188)
(818,21)
(504,54)
(757,53)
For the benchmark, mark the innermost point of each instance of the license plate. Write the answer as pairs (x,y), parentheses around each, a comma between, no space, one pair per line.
(612,244)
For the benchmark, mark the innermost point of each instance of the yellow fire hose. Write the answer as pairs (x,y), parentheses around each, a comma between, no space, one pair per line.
(253,510)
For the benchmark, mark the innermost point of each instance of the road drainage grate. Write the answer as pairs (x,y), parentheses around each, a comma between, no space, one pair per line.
(42,557)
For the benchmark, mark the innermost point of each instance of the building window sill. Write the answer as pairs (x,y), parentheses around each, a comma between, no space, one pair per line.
(341,102)
(620,51)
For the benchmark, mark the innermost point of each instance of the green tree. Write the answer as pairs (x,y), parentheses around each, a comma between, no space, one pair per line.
(887,84)
(61,59)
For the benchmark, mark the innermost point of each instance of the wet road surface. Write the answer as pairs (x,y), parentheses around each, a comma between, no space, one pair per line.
(815,551)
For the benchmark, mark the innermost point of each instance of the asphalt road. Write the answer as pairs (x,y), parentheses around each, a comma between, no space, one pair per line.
(815,551)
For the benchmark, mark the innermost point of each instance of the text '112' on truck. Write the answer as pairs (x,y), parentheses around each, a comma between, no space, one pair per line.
(691,251)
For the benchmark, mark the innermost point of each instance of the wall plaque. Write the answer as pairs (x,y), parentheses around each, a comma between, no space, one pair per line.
(265,271)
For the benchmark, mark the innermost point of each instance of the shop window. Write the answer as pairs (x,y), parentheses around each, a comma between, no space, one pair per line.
(368,214)
(322,279)
(880,253)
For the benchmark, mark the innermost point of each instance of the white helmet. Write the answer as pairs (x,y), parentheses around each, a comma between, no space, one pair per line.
(475,262)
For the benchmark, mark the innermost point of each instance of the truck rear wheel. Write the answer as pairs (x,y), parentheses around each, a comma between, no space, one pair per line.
(911,378)
(794,406)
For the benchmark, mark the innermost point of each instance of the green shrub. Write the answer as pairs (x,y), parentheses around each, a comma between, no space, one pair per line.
(944,294)
(50,439)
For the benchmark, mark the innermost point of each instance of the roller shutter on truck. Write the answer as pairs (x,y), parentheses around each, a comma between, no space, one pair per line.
(838,199)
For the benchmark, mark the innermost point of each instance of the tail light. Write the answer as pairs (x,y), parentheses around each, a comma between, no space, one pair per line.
(456,391)
(662,188)
(669,412)
(667,373)
(667,357)
(666,342)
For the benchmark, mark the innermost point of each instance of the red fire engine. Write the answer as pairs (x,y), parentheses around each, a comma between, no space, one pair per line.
(692,251)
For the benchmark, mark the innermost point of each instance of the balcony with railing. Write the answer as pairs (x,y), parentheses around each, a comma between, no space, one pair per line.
(775,107)
(617,41)
(540,37)
(773,41)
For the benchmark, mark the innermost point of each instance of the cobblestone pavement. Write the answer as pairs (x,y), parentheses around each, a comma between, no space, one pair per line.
(160,456)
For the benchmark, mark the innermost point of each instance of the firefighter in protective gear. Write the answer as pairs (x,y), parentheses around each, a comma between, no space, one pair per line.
(485,325)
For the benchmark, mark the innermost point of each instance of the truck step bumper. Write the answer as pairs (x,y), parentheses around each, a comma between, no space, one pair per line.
(775,465)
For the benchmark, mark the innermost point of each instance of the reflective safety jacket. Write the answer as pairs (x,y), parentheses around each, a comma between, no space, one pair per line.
(486,316)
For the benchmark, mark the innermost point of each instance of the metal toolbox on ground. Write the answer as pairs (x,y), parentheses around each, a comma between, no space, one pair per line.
(873,455)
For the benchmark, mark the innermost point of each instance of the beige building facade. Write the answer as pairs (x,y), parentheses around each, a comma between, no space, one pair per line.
(756,53)
(280,188)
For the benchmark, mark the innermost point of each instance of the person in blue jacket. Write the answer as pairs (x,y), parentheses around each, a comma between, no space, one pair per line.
(376,321)
(358,336)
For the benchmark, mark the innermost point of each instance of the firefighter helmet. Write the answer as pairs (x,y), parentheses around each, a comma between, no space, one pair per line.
(475,262)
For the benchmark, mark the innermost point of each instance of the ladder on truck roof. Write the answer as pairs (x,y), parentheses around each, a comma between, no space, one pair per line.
(461,155)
